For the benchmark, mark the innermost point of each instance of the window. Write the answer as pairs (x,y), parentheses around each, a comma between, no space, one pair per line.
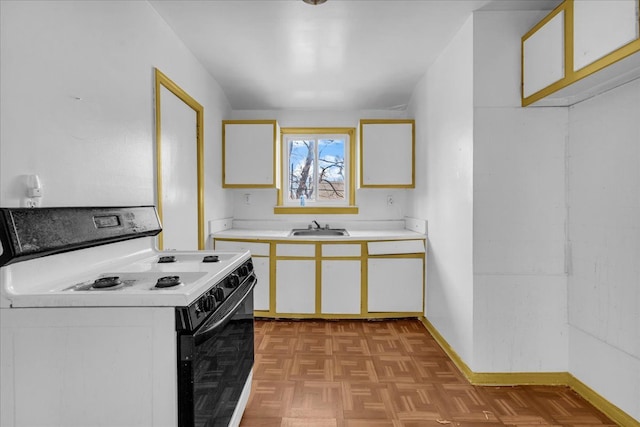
(317,171)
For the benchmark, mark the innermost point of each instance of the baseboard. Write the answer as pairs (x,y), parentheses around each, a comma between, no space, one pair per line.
(533,378)
(606,407)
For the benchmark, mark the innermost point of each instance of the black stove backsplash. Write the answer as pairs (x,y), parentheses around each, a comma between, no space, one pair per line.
(27,233)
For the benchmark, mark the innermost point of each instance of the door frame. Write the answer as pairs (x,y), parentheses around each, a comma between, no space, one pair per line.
(161,80)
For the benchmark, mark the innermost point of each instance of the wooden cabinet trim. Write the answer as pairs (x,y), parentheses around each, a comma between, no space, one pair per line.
(570,75)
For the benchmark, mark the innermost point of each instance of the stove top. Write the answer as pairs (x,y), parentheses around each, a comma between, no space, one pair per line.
(100,256)
(141,281)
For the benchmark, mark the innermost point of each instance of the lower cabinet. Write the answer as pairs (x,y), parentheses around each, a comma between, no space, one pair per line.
(295,286)
(395,284)
(341,287)
(260,254)
(374,279)
(261,293)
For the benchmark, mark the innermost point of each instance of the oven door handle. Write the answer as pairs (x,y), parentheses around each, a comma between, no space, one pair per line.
(209,328)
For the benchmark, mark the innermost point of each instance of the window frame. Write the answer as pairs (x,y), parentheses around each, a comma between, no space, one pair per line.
(347,207)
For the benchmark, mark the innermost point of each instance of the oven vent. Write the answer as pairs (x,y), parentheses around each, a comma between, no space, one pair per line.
(27,233)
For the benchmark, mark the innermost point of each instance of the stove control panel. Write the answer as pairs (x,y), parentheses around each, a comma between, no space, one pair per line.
(189,318)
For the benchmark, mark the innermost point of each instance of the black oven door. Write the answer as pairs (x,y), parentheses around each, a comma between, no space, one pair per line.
(215,361)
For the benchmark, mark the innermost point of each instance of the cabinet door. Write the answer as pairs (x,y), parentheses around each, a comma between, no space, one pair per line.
(601,27)
(249,151)
(341,286)
(543,55)
(261,291)
(387,153)
(395,284)
(295,286)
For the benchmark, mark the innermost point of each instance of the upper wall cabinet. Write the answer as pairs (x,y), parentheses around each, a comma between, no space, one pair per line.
(387,151)
(582,48)
(543,51)
(249,153)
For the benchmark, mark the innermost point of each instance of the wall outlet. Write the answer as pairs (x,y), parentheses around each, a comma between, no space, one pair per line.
(247,199)
(389,200)
(32,202)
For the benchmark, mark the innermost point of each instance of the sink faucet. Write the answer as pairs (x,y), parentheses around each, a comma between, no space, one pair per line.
(316,223)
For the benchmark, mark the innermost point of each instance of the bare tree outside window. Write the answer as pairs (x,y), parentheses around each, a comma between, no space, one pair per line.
(316,169)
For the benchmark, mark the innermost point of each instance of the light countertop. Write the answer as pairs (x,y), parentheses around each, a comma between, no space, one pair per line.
(258,234)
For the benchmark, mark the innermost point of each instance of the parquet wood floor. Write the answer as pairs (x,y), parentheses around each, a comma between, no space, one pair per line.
(316,373)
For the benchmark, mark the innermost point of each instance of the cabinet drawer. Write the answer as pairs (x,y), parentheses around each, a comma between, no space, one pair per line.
(396,247)
(303,250)
(258,249)
(341,250)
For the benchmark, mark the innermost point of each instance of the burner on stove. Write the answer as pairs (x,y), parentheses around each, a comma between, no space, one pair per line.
(106,282)
(168,281)
(211,258)
(166,259)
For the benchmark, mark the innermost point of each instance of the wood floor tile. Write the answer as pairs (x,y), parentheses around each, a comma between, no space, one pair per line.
(366,400)
(372,423)
(352,345)
(437,370)
(416,402)
(385,344)
(354,369)
(317,399)
(387,373)
(272,367)
(315,344)
(395,368)
(277,344)
(269,399)
(261,421)
(309,422)
(311,367)
(346,328)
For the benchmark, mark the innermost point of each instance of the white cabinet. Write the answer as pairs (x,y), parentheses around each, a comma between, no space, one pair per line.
(296,286)
(335,279)
(341,287)
(395,284)
(387,149)
(601,27)
(341,284)
(543,55)
(260,255)
(249,153)
(261,295)
(580,49)
(261,249)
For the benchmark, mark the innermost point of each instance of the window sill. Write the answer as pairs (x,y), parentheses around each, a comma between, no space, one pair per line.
(315,210)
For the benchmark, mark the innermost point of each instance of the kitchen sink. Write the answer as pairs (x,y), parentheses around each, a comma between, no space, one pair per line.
(319,232)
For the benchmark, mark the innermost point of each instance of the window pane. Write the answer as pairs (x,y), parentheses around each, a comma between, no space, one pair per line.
(301,168)
(331,169)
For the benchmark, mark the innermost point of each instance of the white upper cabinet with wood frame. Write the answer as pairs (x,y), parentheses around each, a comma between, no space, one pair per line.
(543,54)
(582,48)
(387,153)
(602,27)
(249,153)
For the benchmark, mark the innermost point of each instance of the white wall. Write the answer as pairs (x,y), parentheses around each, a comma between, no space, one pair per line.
(77,102)
(442,105)
(519,213)
(372,203)
(604,233)
(554,190)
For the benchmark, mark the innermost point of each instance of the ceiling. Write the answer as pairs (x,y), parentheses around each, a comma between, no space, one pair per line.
(341,55)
